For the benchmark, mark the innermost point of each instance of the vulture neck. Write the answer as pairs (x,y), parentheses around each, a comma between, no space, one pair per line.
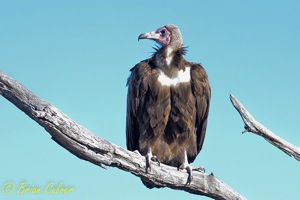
(170,60)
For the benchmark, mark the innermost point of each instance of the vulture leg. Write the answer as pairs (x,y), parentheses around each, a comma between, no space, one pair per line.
(189,169)
(185,165)
(149,156)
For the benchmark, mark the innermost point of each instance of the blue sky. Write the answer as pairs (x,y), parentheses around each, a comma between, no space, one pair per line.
(77,56)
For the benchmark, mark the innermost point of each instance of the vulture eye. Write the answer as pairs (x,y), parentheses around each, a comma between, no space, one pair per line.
(163,32)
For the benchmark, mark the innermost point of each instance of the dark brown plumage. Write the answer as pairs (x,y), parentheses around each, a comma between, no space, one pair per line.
(167,104)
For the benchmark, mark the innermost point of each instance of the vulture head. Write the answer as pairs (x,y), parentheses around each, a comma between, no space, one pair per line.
(167,36)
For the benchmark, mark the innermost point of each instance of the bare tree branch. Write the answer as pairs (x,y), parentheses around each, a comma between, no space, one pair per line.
(251,125)
(87,146)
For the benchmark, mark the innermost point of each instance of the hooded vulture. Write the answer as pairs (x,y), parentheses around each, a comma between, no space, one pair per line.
(167,104)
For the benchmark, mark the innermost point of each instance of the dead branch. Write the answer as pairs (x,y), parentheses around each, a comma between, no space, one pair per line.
(251,125)
(87,146)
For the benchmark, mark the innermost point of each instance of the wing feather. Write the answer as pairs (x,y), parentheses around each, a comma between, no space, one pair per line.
(202,93)
(137,88)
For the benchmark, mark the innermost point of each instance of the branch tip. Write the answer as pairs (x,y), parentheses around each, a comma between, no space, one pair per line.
(252,125)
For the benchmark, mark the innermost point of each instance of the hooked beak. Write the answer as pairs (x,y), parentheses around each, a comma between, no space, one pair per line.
(151,35)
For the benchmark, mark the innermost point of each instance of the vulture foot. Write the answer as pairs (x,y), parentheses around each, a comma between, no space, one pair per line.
(199,169)
(189,170)
(137,152)
(149,157)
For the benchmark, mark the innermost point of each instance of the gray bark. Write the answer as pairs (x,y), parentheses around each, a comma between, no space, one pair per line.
(251,125)
(87,146)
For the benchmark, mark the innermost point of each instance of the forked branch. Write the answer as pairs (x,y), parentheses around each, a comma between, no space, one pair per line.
(251,125)
(87,146)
